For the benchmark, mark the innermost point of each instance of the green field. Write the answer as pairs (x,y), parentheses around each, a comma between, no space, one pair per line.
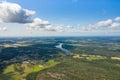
(82,70)
(28,69)
(92,58)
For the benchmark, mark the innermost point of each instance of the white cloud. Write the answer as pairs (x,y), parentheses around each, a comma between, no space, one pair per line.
(115,25)
(104,23)
(54,28)
(59,28)
(90,27)
(3,28)
(69,26)
(117,19)
(37,24)
(14,13)
(49,28)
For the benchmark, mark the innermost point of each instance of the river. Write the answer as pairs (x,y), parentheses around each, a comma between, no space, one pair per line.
(60,46)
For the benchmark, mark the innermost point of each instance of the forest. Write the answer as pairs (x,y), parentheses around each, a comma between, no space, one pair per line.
(38,58)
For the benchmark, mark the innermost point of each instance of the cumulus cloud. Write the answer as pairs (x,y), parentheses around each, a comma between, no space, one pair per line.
(3,28)
(14,13)
(115,25)
(69,26)
(104,23)
(37,24)
(59,28)
(117,19)
(54,28)
(49,28)
(89,27)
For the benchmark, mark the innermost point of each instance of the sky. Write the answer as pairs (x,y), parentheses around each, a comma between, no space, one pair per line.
(59,18)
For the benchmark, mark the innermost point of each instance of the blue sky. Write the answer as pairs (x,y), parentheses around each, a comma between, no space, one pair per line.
(68,13)
(75,11)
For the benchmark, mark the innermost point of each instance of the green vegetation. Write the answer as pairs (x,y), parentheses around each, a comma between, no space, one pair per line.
(9,69)
(81,70)
(10,74)
(21,71)
(37,68)
(93,58)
